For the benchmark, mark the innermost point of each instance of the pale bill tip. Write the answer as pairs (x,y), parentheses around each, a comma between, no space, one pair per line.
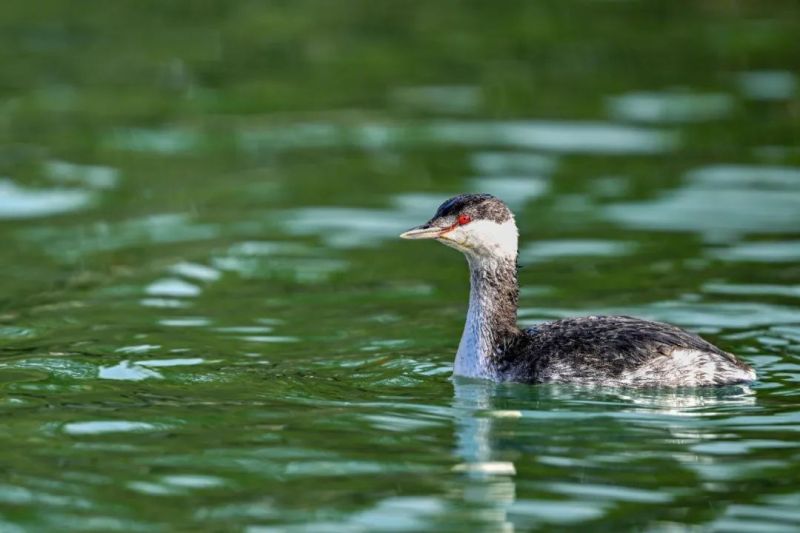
(420,233)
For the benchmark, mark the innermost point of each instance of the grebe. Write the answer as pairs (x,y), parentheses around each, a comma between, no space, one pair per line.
(608,350)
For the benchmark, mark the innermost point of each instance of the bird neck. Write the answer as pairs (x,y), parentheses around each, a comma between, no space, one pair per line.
(491,318)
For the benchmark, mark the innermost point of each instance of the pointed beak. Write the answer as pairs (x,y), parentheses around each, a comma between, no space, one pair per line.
(425,231)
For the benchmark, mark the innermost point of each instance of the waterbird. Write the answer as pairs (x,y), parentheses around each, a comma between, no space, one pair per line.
(602,350)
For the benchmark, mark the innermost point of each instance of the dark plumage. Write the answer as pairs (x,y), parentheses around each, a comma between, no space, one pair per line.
(479,206)
(600,348)
(613,350)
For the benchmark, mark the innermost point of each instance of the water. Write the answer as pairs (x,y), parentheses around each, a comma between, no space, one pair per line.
(207,321)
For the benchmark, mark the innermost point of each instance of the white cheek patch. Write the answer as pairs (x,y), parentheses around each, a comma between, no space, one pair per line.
(490,238)
(455,238)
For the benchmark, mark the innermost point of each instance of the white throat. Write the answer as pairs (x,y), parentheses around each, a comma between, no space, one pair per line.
(492,260)
(476,341)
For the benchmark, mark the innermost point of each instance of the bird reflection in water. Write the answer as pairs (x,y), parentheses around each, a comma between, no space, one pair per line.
(491,480)
(485,460)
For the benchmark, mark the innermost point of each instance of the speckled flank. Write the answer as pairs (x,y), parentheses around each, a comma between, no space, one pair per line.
(607,350)
(621,350)
(687,367)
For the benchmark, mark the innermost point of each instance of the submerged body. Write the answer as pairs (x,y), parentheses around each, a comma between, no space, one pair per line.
(612,350)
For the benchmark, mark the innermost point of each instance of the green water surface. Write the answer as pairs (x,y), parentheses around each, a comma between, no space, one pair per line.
(207,322)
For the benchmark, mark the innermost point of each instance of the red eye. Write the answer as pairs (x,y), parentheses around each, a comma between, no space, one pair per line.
(464,219)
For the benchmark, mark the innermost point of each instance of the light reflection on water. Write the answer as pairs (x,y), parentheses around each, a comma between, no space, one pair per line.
(722,201)
(670,107)
(19,203)
(456,99)
(768,84)
(697,314)
(551,136)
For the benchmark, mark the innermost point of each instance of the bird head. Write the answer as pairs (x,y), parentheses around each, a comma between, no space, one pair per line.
(479,225)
